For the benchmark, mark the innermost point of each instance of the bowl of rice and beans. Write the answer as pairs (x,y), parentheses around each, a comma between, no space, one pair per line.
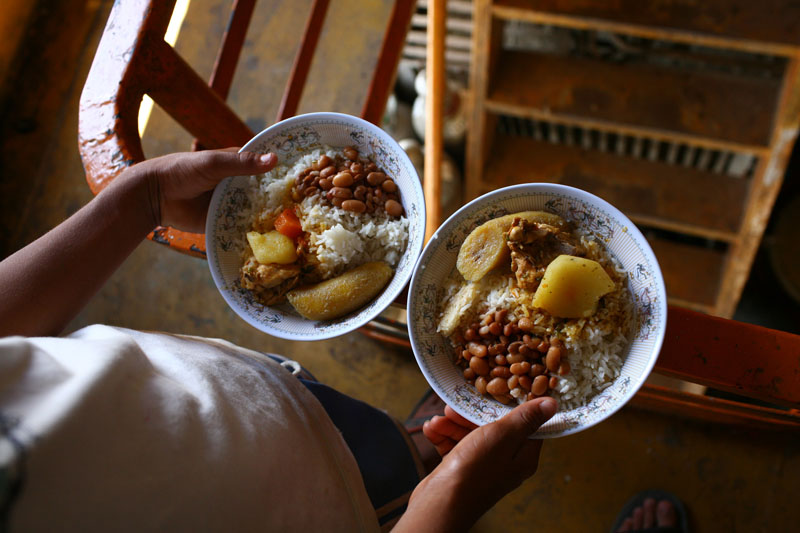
(534,290)
(327,239)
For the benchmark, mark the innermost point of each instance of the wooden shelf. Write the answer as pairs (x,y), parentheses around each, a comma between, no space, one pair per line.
(704,108)
(654,194)
(767,26)
(691,273)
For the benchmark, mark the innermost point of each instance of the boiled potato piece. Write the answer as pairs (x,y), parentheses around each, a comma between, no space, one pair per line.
(340,295)
(272,247)
(571,287)
(485,248)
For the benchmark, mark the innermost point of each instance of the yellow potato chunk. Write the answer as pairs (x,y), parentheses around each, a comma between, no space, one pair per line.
(343,294)
(572,286)
(272,247)
(485,248)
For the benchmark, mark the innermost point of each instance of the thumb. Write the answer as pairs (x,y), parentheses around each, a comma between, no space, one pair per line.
(526,418)
(216,165)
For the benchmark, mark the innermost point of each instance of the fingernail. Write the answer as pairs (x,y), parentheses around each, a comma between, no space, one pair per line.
(266,158)
(548,407)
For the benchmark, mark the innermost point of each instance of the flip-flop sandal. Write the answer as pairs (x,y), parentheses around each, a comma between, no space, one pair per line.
(638,500)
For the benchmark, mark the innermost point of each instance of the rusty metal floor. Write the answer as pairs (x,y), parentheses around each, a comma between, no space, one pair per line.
(732,479)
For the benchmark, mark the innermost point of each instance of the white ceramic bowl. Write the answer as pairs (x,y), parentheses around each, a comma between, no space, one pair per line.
(290,139)
(589,213)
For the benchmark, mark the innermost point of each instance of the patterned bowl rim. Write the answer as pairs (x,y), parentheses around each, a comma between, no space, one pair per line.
(452,222)
(354,321)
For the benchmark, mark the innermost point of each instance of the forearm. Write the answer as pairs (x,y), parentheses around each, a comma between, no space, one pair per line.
(44,285)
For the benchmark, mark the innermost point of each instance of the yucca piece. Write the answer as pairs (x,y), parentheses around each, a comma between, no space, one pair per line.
(343,294)
(572,286)
(485,248)
(272,247)
(458,306)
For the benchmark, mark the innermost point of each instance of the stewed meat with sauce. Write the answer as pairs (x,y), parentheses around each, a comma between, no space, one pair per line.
(533,246)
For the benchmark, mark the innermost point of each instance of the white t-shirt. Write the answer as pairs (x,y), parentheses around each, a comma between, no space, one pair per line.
(112,429)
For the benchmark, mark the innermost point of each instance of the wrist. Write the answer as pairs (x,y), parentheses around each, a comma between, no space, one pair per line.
(134,197)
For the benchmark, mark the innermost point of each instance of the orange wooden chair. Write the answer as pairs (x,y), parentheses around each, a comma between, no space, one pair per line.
(735,357)
(133,59)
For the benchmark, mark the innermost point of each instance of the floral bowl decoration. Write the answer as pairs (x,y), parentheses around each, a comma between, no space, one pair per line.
(290,139)
(586,212)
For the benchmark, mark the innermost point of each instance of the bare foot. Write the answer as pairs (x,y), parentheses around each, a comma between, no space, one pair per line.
(650,515)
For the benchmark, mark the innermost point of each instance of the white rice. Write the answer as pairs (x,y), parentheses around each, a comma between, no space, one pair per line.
(340,239)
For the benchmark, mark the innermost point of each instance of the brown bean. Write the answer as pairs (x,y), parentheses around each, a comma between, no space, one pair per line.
(478,350)
(360,192)
(515,358)
(327,172)
(500,360)
(308,180)
(475,325)
(504,339)
(514,347)
(563,368)
(479,366)
(487,319)
(553,382)
(471,335)
(525,382)
(497,387)
(513,382)
(311,191)
(484,332)
(524,350)
(356,206)
(343,179)
(537,370)
(500,315)
(555,341)
(508,330)
(324,162)
(495,329)
(337,202)
(370,166)
(376,178)
(543,346)
(525,324)
(394,208)
(466,355)
(501,372)
(521,368)
(539,385)
(469,374)
(325,184)
(502,398)
(356,168)
(389,186)
(553,358)
(342,192)
(350,153)
(494,350)
(531,342)
(480,384)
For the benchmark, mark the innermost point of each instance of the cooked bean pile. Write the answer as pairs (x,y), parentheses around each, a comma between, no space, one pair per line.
(351,182)
(503,358)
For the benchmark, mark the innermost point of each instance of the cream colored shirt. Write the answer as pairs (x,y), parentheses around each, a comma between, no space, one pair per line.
(114,430)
